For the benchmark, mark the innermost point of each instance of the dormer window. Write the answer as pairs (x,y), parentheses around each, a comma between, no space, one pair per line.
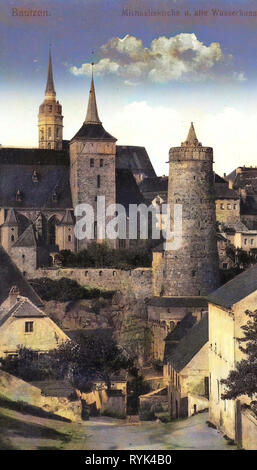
(54,197)
(35,176)
(18,196)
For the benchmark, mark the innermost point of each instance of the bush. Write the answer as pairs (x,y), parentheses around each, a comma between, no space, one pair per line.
(64,290)
(102,256)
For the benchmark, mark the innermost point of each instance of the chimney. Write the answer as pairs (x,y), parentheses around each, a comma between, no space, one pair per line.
(13,296)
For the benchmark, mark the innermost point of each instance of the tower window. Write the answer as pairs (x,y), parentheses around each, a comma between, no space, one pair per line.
(49,132)
(222,207)
(12,238)
(95,229)
(57,132)
(98,181)
(50,108)
(41,134)
(28,326)
(69,238)
(101,162)
(235,206)
(229,207)
(92,162)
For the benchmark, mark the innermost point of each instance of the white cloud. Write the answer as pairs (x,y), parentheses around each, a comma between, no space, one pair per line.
(182,57)
(230,131)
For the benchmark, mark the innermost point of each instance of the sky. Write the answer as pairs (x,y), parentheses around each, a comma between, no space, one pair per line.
(159,64)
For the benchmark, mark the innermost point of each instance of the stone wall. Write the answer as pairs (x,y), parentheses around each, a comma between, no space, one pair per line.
(17,390)
(137,281)
(197,403)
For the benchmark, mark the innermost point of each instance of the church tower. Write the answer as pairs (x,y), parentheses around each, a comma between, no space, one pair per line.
(92,165)
(50,116)
(193,268)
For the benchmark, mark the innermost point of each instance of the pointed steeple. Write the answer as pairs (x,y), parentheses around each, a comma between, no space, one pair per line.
(11,219)
(191,137)
(92,113)
(50,81)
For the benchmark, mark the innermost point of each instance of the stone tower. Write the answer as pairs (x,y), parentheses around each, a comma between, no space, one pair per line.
(192,269)
(10,230)
(50,116)
(92,165)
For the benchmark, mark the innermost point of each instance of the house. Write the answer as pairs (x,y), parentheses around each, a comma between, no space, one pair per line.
(25,325)
(186,368)
(227,306)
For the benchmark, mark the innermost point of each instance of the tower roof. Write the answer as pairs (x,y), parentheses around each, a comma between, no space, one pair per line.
(11,219)
(67,218)
(191,137)
(92,128)
(92,112)
(50,80)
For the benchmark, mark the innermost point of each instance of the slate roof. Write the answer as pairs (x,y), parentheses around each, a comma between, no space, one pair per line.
(93,131)
(235,290)
(134,158)
(247,176)
(67,219)
(24,308)
(177,302)
(52,179)
(33,156)
(10,276)
(222,191)
(249,205)
(154,185)
(127,191)
(27,238)
(191,343)
(219,179)
(11,219)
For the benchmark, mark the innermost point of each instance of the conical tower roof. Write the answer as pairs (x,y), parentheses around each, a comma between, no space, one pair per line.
(92,112)
(191,137)
(67,219)
(50,80)
(11,219)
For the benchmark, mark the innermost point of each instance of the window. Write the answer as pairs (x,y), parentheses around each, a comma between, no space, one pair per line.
(245,241)
(252,241)
(193,273)
(95,229)
(122,243)
(229,207)
(23,257)
(206,386)
(92,162)
(50,108)
(12,238)
(222,207)
(101,162)
(235,206)
(98,181)
(57,132)
(225,265)
(49,132)
(28,326)
(69,238)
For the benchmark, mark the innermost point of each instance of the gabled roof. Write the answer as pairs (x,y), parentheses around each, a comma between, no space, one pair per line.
(10,276)
(235,290)
(189,345)
(27,238)
(25,308)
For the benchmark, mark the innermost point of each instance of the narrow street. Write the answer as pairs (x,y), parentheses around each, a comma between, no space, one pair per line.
(27,432)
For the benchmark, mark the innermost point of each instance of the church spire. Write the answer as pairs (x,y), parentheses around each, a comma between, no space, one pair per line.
(92,113)
(50,81)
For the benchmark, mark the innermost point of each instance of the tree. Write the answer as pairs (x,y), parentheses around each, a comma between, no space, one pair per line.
(243,380)
(91,358)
